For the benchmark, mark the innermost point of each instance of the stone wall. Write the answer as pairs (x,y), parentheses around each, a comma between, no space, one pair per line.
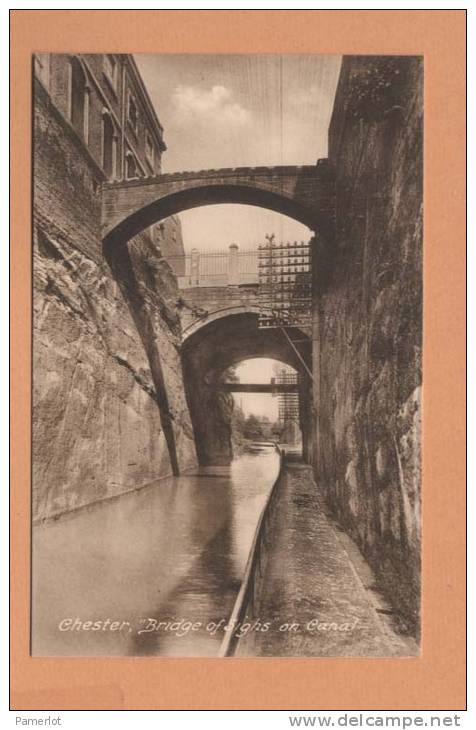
(367,322)
(109,408)
(168,236)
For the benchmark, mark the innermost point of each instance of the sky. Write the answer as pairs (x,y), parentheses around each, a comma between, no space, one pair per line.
(240,110)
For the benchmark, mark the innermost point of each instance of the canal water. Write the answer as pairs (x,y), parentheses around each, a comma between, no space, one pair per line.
(154,572)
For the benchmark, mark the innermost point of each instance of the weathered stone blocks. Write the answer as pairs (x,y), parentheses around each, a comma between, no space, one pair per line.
(368,307)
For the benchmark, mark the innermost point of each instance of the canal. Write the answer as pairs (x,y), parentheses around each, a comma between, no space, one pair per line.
(153,572)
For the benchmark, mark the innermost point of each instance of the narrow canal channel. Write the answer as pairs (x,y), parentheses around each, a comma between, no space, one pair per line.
(151,572)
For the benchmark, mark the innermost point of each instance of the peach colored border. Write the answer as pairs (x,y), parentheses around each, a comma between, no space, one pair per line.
(437,679)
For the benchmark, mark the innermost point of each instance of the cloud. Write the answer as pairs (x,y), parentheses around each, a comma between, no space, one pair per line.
(210,105)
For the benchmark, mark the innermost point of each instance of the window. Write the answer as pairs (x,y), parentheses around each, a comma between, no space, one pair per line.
(79,99)
(109,146)
(132,114)
(131,166)
(110,69)
(42,68)
(149,148)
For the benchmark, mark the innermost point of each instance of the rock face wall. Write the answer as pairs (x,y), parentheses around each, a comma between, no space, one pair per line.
(109,409)
(212,413)
(367,322)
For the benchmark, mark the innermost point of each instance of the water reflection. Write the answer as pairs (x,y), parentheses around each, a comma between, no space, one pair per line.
(172,553)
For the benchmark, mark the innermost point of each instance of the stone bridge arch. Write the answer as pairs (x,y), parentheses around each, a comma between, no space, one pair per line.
(305,193)
(215,315)
(212,347)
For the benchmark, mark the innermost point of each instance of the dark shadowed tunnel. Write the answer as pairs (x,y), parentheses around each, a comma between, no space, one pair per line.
(209,352)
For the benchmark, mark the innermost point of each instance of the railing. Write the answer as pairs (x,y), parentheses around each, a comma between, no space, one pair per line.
(216,268)
(247,596)
(310,171)
(281,270)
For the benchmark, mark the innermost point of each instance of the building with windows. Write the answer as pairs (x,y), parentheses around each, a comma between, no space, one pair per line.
(104,101)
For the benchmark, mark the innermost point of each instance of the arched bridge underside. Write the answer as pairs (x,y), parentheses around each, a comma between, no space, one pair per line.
(228,339)
(206,319)
(206,355)
(304,193)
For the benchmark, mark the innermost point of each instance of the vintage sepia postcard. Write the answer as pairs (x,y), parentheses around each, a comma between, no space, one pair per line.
(227,354)
(227,329)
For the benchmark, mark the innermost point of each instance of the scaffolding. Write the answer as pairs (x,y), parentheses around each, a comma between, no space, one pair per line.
(285,286)
(288,407)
